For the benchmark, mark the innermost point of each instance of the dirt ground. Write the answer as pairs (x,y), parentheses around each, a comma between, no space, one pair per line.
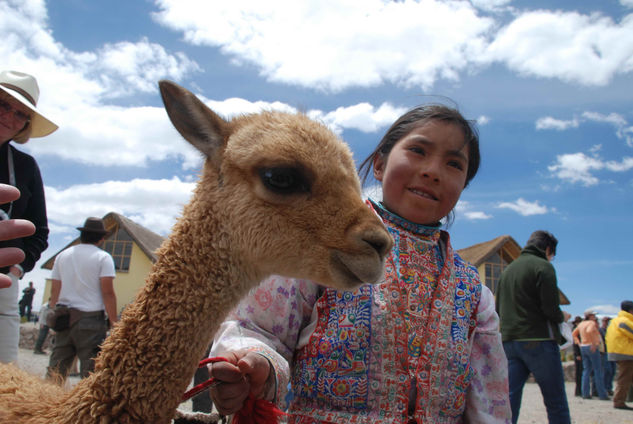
(583,411)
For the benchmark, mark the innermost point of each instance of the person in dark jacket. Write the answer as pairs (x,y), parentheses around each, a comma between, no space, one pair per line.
(19,121)
(528,306)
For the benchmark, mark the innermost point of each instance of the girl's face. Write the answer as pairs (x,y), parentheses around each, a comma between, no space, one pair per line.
(425,172)
(13,117)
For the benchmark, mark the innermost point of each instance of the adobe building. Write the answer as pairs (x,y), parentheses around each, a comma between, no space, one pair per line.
(491,257)
(132,247)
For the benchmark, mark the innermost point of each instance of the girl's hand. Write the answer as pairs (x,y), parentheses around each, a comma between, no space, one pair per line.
(244,373)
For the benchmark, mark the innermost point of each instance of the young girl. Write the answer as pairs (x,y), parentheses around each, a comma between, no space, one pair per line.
(421,347)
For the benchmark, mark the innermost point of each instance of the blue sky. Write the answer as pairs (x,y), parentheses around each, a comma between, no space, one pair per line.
(548,82)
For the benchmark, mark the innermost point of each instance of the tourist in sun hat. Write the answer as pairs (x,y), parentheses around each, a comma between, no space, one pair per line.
(20,120)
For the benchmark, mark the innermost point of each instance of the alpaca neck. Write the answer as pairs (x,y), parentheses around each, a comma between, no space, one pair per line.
(147,363)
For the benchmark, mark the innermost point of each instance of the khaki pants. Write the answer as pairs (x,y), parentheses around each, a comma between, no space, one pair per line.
(83,339)
(623,381)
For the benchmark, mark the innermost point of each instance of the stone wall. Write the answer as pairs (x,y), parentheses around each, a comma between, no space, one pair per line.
(28,336)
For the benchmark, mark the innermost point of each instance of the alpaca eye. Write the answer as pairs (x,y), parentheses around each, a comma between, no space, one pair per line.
(284,180)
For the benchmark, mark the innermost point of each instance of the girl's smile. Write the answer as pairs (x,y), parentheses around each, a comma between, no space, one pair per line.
(425,172)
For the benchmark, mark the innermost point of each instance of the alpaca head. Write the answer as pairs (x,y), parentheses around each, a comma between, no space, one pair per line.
(285,191)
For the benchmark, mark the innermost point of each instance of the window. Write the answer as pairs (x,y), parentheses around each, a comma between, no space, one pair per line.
(119,245)
(495,264)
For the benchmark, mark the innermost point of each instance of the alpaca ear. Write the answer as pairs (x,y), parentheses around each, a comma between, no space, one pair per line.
(199,125)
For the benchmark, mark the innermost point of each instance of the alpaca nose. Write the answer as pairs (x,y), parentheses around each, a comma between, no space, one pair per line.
(379,240)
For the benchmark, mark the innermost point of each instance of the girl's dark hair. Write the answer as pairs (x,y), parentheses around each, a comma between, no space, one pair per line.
(417,117)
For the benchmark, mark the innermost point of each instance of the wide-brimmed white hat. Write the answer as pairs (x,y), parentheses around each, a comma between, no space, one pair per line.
(23,87)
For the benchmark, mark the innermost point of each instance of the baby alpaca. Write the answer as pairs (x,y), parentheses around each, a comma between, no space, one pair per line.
(278,194)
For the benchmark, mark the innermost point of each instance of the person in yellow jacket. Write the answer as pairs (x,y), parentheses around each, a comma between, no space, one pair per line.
(620,349)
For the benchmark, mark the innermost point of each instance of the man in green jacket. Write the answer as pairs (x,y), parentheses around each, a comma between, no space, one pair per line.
(528,306)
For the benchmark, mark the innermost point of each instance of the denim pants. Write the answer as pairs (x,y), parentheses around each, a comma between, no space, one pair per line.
(591,362)
(609,372)
(542,359)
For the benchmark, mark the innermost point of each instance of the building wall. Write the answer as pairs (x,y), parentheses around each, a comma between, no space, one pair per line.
(127,284)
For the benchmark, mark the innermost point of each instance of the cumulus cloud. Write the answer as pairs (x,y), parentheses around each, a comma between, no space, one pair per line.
(362,117)
(334,44)
(607,310)
(622,128)
(525,208)
(491,5)
(579,168)
(374,42)
(113,70)
(549,123)
(466,209)
(586,49)
(626,3)
(154,204)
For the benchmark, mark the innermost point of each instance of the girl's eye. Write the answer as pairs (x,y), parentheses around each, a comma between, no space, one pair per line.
(456,164)
(284,180)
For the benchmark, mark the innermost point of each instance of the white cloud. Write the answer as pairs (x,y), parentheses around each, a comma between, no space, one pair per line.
(626,3)
(490,5)
(336,44)
(608,310)
(586,49)
(135,136)
(125,67)
(476,215)
(465,208)
(549,123)
(362,117)
(113,70)
(483,120)
(622,128)
(525,208)
(154,204)
(579,168)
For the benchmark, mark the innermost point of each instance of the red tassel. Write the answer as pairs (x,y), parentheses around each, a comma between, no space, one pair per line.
(254,411)
(258,411)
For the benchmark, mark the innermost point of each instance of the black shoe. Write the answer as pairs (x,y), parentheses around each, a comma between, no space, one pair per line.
(586,397)
(610,392)
(628,408)
(39,352)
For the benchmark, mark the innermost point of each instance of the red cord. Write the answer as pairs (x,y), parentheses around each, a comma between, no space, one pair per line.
(254,411)
(200,387)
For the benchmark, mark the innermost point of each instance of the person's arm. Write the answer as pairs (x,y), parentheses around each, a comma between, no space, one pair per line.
(576,335)
(549,297)
(487,399)
(268,322)
(35,212)
(625,328)
(109,298)
(56,288)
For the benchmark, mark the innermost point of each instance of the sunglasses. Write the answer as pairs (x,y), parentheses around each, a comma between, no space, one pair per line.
(5,107)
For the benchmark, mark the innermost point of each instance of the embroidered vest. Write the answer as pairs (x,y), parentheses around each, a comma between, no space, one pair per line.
(397,350)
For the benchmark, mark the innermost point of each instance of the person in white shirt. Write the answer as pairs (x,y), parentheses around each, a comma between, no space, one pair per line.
(83,282)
